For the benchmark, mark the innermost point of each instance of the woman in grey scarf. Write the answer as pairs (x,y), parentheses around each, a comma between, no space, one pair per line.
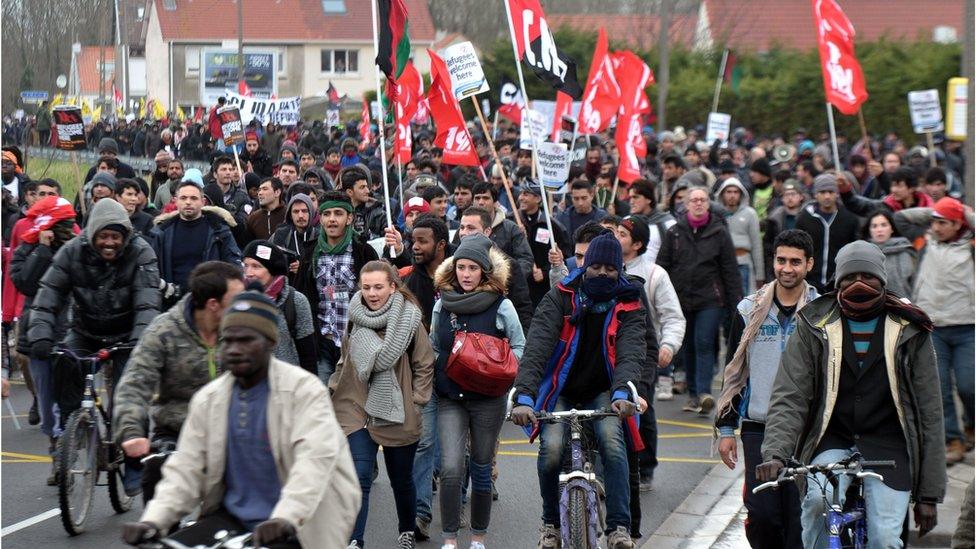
(381,382)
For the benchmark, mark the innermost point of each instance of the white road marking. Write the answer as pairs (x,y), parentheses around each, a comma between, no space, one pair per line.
(27,523)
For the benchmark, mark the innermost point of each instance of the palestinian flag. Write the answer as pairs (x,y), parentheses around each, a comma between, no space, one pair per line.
(393,50)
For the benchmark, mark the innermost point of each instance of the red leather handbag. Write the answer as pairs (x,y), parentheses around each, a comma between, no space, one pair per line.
(482,363)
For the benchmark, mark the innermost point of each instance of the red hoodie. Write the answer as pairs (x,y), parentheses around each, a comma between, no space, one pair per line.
(922,200)
(13,301)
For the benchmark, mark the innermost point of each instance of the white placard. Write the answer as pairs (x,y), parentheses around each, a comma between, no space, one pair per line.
(719,126)
(540,126)
(284,111)
(467,77)
(332,118)
(553,163)
(957,96)
(925,110)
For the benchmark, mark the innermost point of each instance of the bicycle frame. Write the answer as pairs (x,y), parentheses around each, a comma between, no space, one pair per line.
(581,476)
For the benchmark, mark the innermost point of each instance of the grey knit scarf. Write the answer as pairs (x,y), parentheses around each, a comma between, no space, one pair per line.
(374,357)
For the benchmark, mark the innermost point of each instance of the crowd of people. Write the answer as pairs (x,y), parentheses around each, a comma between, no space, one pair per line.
(286,326)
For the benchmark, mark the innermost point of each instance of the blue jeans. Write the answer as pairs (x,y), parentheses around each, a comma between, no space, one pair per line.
(399,467)
(43,373)
(744,273)
(885,508)
(954,350)
(425,462)
(698,350)
(613,454)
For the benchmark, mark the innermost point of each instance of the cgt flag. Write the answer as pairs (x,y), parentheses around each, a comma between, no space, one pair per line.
(633,75)
(601,100)
(452,134)
(364,130)
(409,90)
(510,103)
(535,45)
(842,76)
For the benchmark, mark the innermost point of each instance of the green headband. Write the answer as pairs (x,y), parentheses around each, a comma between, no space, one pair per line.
(335,204)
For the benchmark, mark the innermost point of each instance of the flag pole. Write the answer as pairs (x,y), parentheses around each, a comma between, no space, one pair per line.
(833,136)
(498,163)
(718,81)
(518,62)
(381,118)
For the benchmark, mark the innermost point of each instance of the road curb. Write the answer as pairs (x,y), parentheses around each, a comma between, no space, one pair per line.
(705,514)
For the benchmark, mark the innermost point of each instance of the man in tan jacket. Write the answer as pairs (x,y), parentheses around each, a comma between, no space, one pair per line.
(261,445)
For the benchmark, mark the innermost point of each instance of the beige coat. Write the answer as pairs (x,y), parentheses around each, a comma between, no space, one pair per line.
(320,492)
(415,374)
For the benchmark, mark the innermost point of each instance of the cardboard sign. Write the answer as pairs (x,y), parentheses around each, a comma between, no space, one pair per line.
(553,164)
(719,126)
(467,76)
(231,125)
(71,128)
(567,130)
(925,110)
(957,97)
(534,125)
(285,111)
(332,118)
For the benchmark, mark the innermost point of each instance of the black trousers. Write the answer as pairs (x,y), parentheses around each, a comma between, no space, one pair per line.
(648,433)
(202,531)
(773,518)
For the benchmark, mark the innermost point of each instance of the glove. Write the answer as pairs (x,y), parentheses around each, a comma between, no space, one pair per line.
(41,349)
(168,289)
(135,533)
(271,531)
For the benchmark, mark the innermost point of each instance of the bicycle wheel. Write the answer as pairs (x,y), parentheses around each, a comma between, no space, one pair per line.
(78,470)
(579,523)
(121,502)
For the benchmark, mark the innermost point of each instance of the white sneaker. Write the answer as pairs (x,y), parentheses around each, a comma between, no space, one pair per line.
(476,545)
(665,388)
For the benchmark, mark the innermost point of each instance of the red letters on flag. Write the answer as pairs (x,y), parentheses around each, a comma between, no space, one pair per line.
(409,88)
(364,130)
(633,75)
(601,100)
(452,134)
(842,76)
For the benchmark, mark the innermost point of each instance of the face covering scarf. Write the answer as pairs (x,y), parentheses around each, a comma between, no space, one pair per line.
(861,301)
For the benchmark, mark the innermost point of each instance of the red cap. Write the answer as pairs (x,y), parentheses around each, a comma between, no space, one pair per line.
(416,204)
(949,208)
(251,136)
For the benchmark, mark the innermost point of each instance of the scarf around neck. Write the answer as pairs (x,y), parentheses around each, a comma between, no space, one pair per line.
(322,245)
(375,357)
(468,303)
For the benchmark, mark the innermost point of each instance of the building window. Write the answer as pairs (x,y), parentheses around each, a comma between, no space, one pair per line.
(192,57)
(281,56)
(334,6)
(340,61)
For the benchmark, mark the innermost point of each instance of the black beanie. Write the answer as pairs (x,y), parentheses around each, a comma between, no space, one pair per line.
(269,255)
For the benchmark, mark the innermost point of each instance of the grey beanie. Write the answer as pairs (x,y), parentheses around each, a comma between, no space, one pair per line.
(475,247)
(104,179)
(860,256)
(108,144)
(825,182)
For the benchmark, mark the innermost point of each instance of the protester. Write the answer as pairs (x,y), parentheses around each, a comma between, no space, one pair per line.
(382,381)
(505,233)
(643,202)
(280,469)
(830,226)
(254,158)
(583,210)
(129,195)
(781,218)
(900,256)
(743,225)
(540,239)
(167,191)
(300,227)
(263,222)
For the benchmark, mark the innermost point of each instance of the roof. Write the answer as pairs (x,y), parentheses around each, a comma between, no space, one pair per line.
(131,23)
(88,72)
(762,24)
(280,21)
(636,31)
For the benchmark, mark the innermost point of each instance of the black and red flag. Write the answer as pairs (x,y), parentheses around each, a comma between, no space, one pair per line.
(333,94)
(535,45)
(393,50)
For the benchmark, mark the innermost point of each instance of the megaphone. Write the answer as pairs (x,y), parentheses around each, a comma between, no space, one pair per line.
(783,153)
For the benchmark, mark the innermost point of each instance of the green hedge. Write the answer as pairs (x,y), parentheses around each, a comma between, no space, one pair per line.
(779,90)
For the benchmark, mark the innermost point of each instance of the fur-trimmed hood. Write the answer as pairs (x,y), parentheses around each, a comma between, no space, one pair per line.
(497,281)
(223,214)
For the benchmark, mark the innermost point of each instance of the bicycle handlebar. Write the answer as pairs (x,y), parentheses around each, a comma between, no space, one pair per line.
(510,402)
(847,467)
(101,354)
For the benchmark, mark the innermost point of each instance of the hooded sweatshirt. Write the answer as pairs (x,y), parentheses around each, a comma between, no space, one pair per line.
(288,237)
(744,227)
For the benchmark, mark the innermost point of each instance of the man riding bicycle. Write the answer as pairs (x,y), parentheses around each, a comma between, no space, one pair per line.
(859,375)
(110,274)
(175,357)
(594,322)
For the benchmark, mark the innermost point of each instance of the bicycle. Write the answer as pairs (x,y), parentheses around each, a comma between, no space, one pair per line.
(581,516)
(844,528)
(223,540)
(85,448)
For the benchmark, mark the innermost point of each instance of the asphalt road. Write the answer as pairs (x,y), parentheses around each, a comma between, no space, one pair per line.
(30,519)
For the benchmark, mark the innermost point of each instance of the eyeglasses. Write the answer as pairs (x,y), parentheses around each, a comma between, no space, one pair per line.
(697,200)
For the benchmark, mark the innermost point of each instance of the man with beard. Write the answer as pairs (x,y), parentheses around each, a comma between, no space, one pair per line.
(300,227)
(161,175)
(254,158)
(263,222)
(782,218)
(174,175)
(859,376)
(763,324)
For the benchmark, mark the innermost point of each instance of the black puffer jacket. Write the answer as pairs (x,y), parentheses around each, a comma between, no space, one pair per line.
(701,264)
(27,267)
(113,302)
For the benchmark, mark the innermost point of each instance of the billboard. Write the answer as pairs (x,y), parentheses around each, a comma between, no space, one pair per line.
(218,73)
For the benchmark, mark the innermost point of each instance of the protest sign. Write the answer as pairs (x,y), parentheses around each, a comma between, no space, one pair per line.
(719,125)
(467,76)
(218,73)
(332,118)
(553,163)
(956,108)
(71,127)
(231,125)
(285,111)
(534,125)
(925,110)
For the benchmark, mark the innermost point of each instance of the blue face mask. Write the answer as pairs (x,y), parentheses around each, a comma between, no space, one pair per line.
(600,288)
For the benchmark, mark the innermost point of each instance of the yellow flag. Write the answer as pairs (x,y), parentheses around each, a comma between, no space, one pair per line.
(142,107)
(72,101)
(180,115)
(159,112)
(86,110)
(96,114)
(58,99)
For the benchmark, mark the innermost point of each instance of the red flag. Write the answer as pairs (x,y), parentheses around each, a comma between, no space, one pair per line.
(198,115)
(510,102)
(243,88)
(842,76)
(564,107)
(116,95)
(333,94)
(364,130)
(601,100)
(535,45)
(409,88)
(633,75)
(452,134)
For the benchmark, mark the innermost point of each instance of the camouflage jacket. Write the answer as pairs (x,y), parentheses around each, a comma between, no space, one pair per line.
(170,363)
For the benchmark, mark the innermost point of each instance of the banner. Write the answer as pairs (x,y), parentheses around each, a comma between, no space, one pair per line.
(510,102)
(285,111)
(467,76)
(719,126)
(452,134)
(602,96)
(534,129)
(71,128)
(231,125)
(218,74)
(925,111)
(553,161)
(535,45)
(842,76)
